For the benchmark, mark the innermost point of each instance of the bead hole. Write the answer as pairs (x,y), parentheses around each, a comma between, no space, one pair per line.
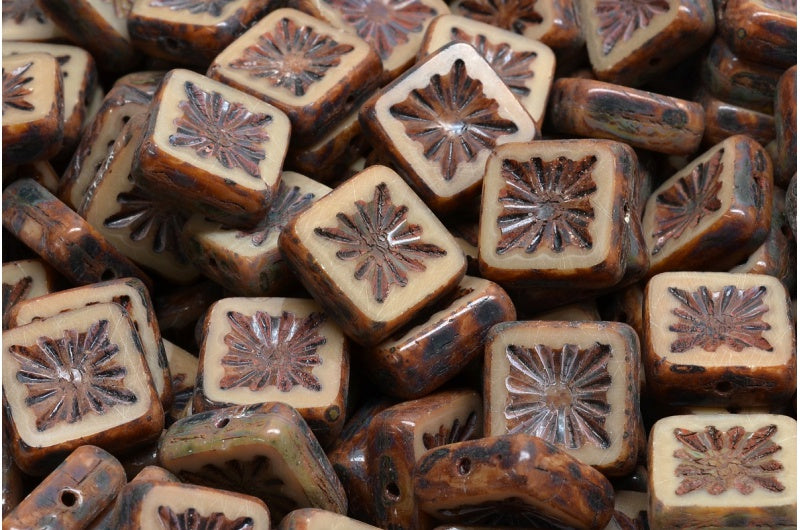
(723,387)
(222,423)
(392,491)
(68,498)
(464,465)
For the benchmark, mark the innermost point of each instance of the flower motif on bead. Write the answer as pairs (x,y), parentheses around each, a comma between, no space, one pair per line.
(15,91)
(620,19)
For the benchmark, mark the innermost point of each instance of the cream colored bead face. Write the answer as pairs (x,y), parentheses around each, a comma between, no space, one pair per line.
(272,349)
(30,88)
(75,375)
(379,243)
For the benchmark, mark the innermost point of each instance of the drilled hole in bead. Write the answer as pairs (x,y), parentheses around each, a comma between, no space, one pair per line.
(392,491)
(463,466)
(107,275)
(654,61)
(222,423)
(68,498)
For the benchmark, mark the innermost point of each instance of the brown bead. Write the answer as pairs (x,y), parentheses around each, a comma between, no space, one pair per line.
(642,119)
(786,127)
(397,438)
(516,480)
(724,120)
(429,351)
(73,495)
(61,237)
(22,280)
(718,339)
(763,32)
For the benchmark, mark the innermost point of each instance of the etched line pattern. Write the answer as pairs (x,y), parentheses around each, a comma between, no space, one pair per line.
(191,519)
(688,201)
(292,56)
(21,10)
(254,477)
(15,92)
(456,432)
(546,204)
(559,394)
(146,217)
(227,131)
(264,350)
(195,7)
(619,20)
(381,241)
(730,317)
(513,15)
(717,461)
(72,376)
(289,202)
(515,68)
(13,293)
(452,119)
(384,24)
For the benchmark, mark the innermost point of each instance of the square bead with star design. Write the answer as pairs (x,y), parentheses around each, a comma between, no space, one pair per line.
(211,148)
(372,254)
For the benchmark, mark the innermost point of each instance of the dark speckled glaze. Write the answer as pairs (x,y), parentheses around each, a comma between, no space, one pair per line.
(413,364)
(758,33)
(725,119)
(72,495)
(786,127)
(505,480)
(61,237)
(642,119)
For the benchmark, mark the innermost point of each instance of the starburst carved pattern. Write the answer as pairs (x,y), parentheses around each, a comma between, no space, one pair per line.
(717,461)
(288,203)
(227,131)
(456,432)
(513,67)
(192,520)
(21,10)
(144,216)
(251,477)
(688,201)
(69,377)
(195,7)
(14,90)
(121,7)
(513,15)
(620,19)
(384,24)
(559,395)
(546,204)
(383,243)
(293,57)
(710,319)
(512,512)
(13,293)
(452,119)
(264,350)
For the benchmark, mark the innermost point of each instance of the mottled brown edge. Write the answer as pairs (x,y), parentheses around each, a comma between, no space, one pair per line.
(677,384)
(89,30)
(89,475)
(191,43)
(735,234)
(335,302)
(326,421)
(439,350)
(391,459)
(759,34)
(571,490)
(724,120)
(311,122)
(190,187)
(71,245)
(690,28)
(786,127)
(574,100)
(37,140)
(331,159)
